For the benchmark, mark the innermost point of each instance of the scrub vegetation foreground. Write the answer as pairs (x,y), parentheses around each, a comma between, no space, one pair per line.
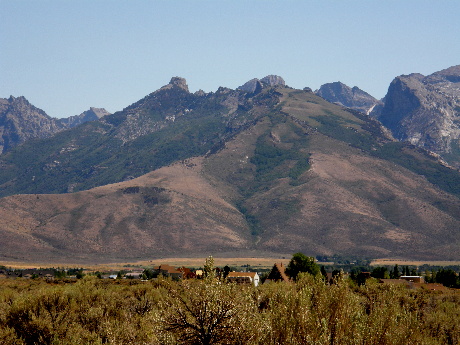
(211,311)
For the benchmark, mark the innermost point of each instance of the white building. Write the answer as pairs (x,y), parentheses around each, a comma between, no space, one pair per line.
(244,278)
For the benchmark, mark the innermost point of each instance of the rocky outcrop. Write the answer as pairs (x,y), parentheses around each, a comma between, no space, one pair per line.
(251,86)
(155,111)
(93,114)
(273,80)
(255,85)
(177,81)
(425,110)
(353,98)
(21,121)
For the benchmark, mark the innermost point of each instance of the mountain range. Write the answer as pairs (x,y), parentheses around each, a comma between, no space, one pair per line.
(423,110)
(261,170)
(20,121)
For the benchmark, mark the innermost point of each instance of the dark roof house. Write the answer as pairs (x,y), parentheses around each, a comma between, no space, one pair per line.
(169,271)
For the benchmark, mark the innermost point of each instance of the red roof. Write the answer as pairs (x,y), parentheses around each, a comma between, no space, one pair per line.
(168,268)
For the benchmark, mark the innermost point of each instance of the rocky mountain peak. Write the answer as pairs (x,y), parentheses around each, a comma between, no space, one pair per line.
(451,74)
(425,110)
(21,121)
(273,80)
(251,86)
(12,99)
(354,98)
(256,85)
(180,82)
(99,112)
(200,93)
(93,114)
(19,101)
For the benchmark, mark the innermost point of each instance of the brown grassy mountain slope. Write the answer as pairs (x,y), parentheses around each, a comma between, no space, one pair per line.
(306,176)
(348,202)
(172,210)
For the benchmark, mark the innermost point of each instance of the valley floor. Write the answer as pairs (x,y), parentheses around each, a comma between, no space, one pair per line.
(255,263)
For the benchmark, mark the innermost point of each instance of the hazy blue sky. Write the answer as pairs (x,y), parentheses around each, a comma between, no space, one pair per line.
(65,56)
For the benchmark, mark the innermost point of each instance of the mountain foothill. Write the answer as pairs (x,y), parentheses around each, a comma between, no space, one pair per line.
(262,170)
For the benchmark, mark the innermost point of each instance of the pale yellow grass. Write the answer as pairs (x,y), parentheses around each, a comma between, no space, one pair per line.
(254,263)
(388,262)
(197,262)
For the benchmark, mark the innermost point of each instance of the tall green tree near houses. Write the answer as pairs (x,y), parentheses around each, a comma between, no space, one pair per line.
(448,277)
(395,273)
(380,272)
(226,271)
(406,271)
(301,263)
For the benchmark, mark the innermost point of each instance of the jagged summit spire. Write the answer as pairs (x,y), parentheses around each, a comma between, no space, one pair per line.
(178,81)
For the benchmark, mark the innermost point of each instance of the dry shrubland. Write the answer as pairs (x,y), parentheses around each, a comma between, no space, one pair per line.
(97,311)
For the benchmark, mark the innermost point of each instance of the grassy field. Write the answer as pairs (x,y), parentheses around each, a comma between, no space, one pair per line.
(196,262)
(391,262)
(255,263)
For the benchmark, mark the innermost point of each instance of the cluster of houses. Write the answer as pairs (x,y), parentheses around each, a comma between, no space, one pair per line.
(277,274)
(186,273)
(414,282)
(27,273)
(410,282)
